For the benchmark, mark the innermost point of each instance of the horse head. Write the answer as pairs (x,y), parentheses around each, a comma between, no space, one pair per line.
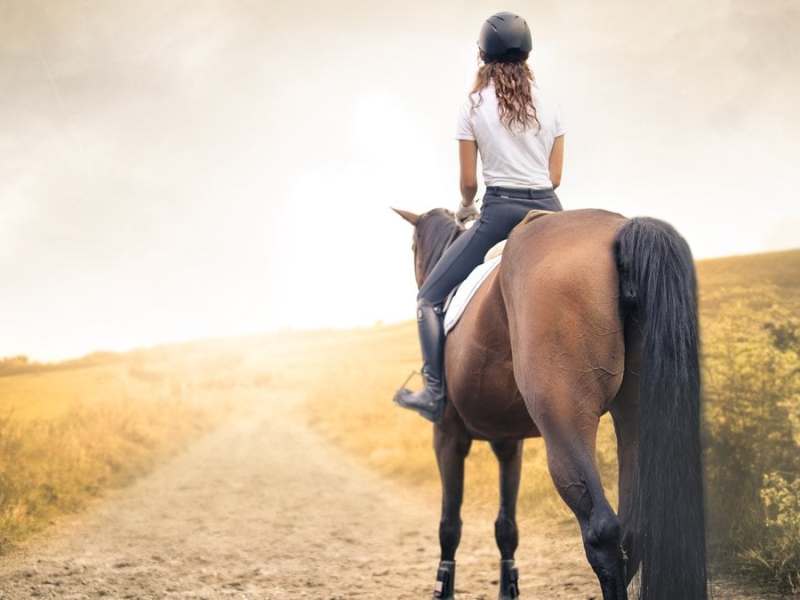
(434,231)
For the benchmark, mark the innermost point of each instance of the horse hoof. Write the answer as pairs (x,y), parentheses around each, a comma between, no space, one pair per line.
(445,581)
(509,581)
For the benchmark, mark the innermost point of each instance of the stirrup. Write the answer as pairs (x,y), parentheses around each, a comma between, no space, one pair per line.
(410,375)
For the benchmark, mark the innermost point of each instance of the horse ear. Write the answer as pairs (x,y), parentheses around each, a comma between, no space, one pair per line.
(408,216)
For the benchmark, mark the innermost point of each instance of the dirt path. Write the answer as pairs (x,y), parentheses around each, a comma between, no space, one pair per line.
(264,508)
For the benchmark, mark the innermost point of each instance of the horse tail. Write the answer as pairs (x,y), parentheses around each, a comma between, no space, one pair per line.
(658,290)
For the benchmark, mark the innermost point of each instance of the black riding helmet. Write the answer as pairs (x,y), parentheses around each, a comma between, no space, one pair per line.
(505,37)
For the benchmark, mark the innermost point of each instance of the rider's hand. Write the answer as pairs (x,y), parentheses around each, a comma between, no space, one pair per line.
(467,213)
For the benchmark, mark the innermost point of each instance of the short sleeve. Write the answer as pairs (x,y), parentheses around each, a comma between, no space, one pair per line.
(464,130)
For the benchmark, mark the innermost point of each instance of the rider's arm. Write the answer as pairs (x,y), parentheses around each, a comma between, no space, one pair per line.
(468,158)
(557,161)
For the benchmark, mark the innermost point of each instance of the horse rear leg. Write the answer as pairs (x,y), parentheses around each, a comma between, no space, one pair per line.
(569,427)
(625,412)
(451,443)
(509,456)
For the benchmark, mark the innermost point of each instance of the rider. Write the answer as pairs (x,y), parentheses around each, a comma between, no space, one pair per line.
(519,135)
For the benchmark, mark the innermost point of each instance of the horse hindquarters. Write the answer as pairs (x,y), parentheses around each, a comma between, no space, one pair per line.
(568,355)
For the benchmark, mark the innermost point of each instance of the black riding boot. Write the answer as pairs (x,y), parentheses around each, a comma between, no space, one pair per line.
(428,402)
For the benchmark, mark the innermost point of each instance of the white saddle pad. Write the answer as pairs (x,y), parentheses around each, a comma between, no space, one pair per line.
(467,290)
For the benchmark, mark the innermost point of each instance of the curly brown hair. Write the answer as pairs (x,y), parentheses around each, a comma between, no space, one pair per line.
(512,83)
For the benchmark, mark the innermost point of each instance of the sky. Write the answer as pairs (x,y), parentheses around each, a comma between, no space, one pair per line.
(186,169)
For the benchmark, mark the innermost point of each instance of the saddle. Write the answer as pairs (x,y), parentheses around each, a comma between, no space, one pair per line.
(457,300)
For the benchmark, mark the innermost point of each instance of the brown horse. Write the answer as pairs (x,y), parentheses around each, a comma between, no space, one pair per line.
(588,313)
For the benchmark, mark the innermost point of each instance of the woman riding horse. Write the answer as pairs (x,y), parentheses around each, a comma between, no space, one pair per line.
(588,313)
(519,135)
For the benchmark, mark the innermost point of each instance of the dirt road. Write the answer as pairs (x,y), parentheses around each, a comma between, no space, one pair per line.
(264,508)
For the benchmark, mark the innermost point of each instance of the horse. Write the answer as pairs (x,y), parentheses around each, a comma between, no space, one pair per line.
(588,312)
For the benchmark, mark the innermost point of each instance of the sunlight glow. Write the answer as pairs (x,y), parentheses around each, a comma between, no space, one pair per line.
(188,172)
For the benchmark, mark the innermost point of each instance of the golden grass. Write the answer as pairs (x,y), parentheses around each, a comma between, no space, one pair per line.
(69,431)
(67,435)
(51,395)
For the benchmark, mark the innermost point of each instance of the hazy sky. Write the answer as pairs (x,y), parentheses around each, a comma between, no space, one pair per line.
(181,169)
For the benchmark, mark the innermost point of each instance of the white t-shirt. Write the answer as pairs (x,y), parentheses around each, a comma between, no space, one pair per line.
(519,159)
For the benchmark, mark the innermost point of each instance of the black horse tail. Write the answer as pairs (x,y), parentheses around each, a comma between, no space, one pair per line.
(658,289)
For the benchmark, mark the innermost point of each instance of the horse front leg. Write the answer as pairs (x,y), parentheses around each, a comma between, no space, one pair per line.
(451,443)
(509,456)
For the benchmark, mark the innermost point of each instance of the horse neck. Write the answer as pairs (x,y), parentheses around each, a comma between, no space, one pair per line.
(442,239)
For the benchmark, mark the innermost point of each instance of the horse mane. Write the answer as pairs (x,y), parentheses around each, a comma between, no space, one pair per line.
(435,231)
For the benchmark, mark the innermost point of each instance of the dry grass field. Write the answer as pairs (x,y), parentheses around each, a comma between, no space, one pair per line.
(66,435)
(70,431)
